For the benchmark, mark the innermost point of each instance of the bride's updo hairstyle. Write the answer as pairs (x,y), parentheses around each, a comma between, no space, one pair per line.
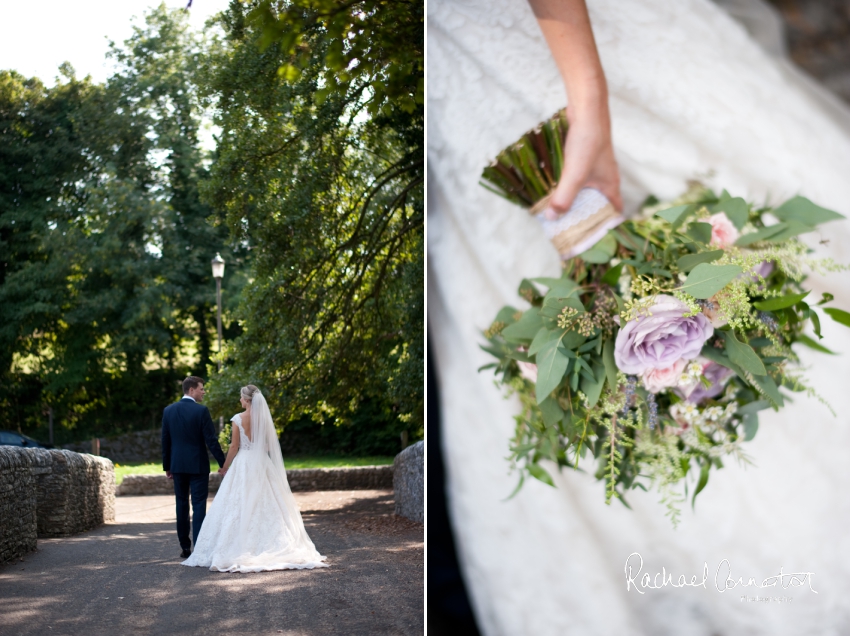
(249,391)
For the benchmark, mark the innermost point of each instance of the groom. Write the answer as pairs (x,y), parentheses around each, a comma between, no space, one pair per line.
(186,428)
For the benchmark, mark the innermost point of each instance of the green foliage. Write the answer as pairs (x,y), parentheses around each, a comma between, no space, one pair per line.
(328,196)
(378,44)
(106,298)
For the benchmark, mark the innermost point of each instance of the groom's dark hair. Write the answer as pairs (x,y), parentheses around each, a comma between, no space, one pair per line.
(191,382)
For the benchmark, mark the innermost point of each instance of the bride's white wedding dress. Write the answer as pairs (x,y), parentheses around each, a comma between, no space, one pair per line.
(254,523)
(692,96)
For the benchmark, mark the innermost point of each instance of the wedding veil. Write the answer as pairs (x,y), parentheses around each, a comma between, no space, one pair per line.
(263,431)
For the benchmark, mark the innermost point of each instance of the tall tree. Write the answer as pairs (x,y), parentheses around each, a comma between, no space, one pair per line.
(328,191)
(106,296)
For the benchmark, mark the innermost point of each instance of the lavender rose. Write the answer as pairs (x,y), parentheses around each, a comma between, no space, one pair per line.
(660,339)
(763,269)
(715,373)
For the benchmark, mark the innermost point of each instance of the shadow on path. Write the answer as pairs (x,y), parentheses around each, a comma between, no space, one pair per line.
(126,578)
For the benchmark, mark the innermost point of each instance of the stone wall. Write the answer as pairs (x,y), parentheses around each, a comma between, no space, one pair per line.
(304,479)
(50,493)
(409,482)
(77,494)
(17,504)
(140,446)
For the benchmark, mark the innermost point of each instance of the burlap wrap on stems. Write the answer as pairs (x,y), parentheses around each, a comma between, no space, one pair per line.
(579,237)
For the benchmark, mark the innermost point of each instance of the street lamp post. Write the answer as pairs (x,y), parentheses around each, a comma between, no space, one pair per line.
(218,274)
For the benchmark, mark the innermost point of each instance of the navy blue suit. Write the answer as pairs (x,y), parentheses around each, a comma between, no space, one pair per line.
(187,432)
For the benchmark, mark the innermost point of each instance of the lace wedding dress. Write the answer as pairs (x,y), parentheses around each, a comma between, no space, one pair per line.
(254,523)
(692,95)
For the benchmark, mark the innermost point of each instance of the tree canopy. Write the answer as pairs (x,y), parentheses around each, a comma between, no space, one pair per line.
(328,192)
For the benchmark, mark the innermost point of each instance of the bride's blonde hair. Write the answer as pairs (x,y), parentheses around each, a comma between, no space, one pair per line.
(248,392)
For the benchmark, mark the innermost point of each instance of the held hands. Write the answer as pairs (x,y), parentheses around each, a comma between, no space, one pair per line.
(222,471)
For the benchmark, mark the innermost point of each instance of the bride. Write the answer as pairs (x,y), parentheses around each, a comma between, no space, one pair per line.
(690,95)
(254,524)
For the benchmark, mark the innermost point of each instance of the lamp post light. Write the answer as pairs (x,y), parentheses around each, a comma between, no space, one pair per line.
(218,274)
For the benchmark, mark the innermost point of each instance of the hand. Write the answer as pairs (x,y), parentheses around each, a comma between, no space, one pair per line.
(588,161)
(222,471)
(588,156)
(168,474)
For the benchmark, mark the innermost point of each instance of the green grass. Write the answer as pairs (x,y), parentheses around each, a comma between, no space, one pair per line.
(292,463)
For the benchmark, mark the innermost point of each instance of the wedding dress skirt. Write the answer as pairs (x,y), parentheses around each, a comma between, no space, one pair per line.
(253,526)
(692,96)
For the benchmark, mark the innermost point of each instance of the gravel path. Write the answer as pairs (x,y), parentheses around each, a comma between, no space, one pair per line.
(126,578)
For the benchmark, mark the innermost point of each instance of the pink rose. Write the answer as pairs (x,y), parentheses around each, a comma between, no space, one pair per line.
(723,233)
(657,379)
(528,370)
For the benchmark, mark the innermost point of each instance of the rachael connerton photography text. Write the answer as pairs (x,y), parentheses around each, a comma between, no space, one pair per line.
(723,579)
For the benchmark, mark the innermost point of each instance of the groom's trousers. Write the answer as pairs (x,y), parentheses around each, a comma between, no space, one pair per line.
(199,485)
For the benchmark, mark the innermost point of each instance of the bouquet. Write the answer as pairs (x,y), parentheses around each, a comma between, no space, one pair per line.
(660,343)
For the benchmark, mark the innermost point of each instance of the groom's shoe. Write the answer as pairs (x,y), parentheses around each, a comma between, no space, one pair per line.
(186,553)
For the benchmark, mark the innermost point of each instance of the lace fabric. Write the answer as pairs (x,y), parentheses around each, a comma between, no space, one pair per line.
(692,96)
(244,441)
(254,523)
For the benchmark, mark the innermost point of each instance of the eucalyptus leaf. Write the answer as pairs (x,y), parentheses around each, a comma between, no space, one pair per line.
(772,304)
(706,280)
(689,261)
(559,287)
(700,232)
(525,328)
(543,336)
(551,366)
(736,210)
(630,241)
(804,211)
(551,411)
(751,426)
(602,252)
(520,355)
(675,216)
(766,383)
(761,235)
(506,315)
(572,340)
(592,386)
(753,407)
(528,291)
(715,355)
(743,355)
(793,228)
